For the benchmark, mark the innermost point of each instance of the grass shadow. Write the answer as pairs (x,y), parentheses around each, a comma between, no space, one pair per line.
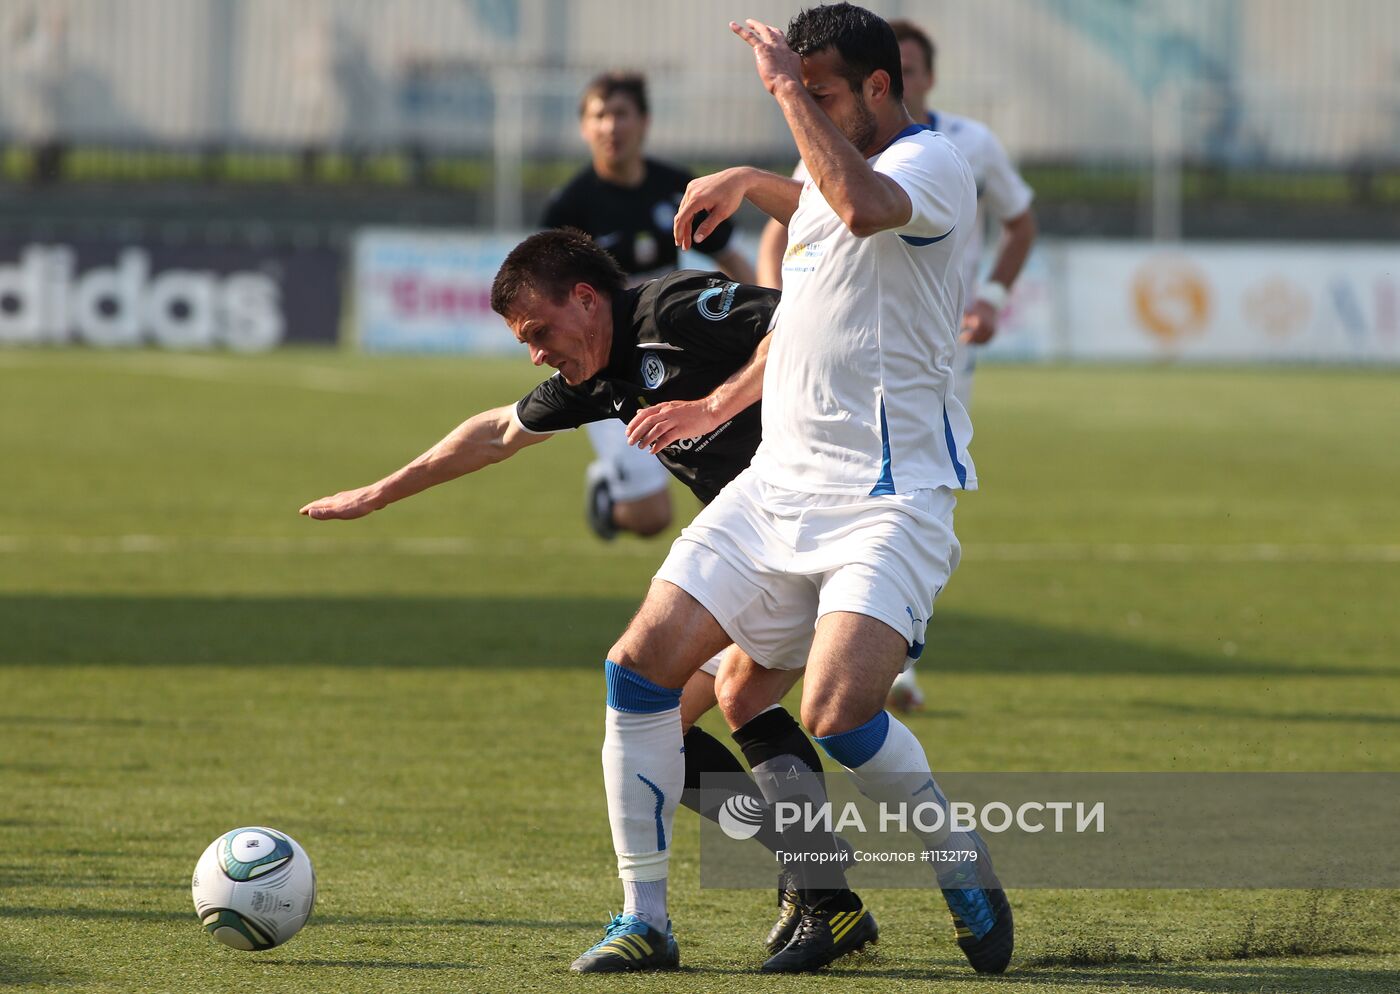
(495,632)
(1254,955)
(1254,977)
(22,973)
(1179,709)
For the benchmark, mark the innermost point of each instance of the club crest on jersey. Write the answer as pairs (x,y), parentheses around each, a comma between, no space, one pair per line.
(715,302)
(653,371)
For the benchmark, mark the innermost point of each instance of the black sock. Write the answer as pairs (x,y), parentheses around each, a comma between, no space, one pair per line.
(705,754)
(787,768)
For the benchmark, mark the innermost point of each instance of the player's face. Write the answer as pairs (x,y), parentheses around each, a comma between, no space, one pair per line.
(918,78)
(848,109)
(572,335)
(614,129)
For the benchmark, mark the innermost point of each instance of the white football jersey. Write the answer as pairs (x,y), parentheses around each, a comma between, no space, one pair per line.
(856,393)
(1001,192)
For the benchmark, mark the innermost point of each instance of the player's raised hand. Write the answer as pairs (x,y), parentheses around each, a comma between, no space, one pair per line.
(346,505)
(776,62)
(717,195)
(979,324)
(653,428)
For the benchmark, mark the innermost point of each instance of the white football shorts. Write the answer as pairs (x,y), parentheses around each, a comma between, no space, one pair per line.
(769,562)
(631,473)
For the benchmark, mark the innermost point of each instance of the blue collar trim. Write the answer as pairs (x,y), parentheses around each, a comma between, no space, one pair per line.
(913,129)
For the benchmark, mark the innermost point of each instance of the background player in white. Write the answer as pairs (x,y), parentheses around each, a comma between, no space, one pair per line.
(1003,199)
(626,201)
(825,551)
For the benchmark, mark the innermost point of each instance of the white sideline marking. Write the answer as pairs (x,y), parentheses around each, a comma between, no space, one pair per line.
(186,366)
(1011,552)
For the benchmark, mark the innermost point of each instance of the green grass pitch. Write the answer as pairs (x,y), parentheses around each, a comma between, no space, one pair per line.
(1164,570)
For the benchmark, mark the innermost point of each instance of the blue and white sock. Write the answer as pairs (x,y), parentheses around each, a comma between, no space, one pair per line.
(643,774)
(888,765)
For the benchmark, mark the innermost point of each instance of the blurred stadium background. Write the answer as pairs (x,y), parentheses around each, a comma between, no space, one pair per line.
(238,133)
(1130,117)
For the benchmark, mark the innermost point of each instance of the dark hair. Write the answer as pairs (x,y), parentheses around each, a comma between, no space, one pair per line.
(604,85)
(550,263)
(864,41)
(909,31)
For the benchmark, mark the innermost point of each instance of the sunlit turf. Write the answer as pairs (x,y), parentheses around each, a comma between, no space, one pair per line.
(1164,570)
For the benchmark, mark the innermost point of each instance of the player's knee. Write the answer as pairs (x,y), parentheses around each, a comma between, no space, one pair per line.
(826,714)
(647,517)
(624,654)
(739,700)
(638,651)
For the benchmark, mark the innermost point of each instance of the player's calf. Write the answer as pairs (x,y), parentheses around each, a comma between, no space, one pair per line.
(643,764)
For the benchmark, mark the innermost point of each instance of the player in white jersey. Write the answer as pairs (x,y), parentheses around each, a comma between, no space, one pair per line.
(826,552)
(1003,198)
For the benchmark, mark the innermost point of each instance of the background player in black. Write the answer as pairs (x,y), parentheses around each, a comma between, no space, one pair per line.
(689,336)
(627,203)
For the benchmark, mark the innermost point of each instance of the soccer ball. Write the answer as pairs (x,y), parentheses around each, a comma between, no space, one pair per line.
(253,888)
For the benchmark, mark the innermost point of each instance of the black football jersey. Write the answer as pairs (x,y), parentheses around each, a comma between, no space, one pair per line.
(674,338)
(632,224)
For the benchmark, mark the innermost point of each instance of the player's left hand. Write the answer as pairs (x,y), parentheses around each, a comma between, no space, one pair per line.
(345,506)
(718,194)
(776,62)
(653,428)
(979,324)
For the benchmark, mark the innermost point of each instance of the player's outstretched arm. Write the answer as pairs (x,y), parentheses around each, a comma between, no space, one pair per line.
(659,425)
(476,443)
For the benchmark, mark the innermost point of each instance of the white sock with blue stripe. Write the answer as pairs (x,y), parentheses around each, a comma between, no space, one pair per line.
(887,764)
(643,774)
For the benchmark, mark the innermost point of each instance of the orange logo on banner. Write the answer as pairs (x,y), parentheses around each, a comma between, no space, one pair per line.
(1278,307)
(1171,297)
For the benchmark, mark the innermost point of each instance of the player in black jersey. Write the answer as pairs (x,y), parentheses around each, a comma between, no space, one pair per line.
(687,337)
(627,202)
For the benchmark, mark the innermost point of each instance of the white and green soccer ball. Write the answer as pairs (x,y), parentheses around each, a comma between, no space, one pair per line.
(254,888)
